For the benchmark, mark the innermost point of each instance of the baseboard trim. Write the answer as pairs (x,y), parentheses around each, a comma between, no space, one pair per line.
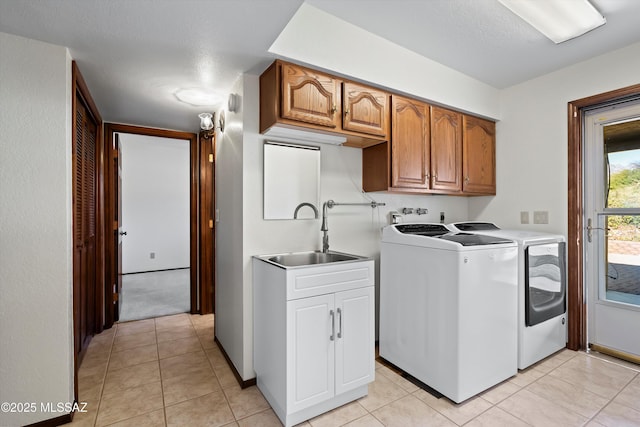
(243,383)
(156,271)
(53,422)
(615,353)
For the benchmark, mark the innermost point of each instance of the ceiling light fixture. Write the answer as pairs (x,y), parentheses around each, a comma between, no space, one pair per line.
(198,97)
(558,20)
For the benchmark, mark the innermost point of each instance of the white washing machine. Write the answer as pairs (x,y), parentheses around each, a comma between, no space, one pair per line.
(448,307)
(542,283)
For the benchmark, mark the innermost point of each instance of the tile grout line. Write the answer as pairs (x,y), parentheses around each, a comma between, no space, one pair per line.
(104,378)
(164,405)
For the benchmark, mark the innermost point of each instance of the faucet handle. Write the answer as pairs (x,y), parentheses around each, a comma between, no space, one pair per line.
(407,211)
(422,211)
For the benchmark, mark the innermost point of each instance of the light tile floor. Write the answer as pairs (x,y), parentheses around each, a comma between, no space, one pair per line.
(168,372)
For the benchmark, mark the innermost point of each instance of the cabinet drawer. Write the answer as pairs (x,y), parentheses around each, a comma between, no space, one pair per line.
(330,278)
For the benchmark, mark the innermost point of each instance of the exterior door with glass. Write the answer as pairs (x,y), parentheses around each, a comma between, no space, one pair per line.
(612,228)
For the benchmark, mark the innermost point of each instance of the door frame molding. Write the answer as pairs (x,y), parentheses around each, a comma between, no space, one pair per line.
(194,182)
(577,327)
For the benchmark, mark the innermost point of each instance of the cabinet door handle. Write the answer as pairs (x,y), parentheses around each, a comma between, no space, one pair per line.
(334,109)
(333,325)
(340,324)
(346,112)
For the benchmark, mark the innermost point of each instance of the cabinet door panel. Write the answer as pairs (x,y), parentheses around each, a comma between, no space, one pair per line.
(310,352)
(355,337)
(479,156)
(446,149)
(310,97)
(365,110)
(409,144)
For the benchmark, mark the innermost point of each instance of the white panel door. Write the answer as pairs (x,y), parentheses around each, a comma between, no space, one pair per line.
(355,335)
(612,235)
(310,351)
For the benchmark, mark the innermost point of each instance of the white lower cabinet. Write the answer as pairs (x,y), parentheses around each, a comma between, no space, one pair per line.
(326,357)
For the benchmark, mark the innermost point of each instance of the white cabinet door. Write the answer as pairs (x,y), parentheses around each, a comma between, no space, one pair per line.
(310,351)
(355,335)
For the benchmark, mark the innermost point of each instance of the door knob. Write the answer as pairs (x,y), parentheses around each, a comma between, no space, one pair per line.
(123,233)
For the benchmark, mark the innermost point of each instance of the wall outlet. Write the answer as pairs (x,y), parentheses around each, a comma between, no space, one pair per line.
(524,217)
(541,217)
(152,255)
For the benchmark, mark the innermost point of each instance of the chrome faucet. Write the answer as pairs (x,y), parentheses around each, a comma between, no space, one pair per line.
(301,205)
(325,215)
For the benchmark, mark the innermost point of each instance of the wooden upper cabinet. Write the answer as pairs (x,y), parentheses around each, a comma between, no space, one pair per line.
(410,143)
(297,97)
(446,150)
(309,96)
(479,156)
(365,109)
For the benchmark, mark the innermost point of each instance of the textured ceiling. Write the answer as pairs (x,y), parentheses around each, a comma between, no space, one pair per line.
(134,54)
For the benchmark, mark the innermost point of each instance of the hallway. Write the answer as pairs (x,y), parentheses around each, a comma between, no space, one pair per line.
(168,372)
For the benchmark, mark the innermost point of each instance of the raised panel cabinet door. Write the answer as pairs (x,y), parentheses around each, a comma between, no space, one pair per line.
(310,97)
(446,149)
(479,156)
(310,351)
(409,143)
(365,109)
(355,336)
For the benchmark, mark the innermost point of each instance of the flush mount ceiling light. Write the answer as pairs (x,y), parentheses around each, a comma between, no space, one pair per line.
(558,20)
(198,97)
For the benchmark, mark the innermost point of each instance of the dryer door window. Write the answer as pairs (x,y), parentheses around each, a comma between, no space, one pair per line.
(545,282)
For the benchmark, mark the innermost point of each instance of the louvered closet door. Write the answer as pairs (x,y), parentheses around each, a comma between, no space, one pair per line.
(84,225)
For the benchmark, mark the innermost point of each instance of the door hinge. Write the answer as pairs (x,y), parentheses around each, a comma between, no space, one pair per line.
(210,158)
(575,114)
(210,223)
(115,297)
(115,225)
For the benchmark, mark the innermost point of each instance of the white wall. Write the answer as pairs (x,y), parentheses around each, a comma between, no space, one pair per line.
(532,139)
(155,202)
(36,334)
(229,235)
(322,40)
(352,229)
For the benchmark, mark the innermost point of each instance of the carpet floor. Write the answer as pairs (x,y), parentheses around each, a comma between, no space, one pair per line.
(154,294)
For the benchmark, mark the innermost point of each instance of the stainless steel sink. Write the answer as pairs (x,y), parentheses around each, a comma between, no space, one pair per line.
(311,258)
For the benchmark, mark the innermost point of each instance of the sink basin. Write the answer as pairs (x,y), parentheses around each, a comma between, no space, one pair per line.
(311,258)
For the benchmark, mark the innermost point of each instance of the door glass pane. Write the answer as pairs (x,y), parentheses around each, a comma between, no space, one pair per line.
(622,154)
(622,246)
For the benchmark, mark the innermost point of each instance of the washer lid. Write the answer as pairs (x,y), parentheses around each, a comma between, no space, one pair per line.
(467,239)
(431,230)
(475,226)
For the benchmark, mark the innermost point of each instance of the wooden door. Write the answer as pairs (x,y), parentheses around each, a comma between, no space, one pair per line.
(446,149)
(310,97)
(84,226)
(479,156)
(118,232)
(409,143)
(365,109)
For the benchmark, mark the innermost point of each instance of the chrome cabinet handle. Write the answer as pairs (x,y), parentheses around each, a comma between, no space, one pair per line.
(340,324)
(333,325)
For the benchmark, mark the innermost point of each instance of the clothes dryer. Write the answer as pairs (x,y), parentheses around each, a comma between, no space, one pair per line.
(542,284)
(448,313)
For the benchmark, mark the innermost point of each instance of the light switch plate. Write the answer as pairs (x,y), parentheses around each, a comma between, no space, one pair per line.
(524,217)
(541,217)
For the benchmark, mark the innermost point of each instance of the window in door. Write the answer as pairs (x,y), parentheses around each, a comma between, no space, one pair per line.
(622,192)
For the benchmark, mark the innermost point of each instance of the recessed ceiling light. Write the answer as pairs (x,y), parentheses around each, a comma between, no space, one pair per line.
(198,97)
(559,20)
